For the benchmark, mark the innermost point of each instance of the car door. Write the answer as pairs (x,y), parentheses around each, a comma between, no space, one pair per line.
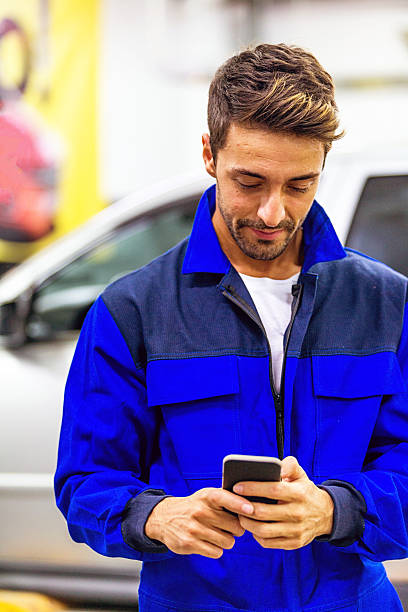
(379,226)
(32,530)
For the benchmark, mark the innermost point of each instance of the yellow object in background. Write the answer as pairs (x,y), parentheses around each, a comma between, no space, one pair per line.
(49,62)
(13,601)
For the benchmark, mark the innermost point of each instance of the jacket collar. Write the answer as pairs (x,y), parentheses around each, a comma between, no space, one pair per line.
(204,253)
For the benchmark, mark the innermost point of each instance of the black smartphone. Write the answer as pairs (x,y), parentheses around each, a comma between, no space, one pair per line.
(238,468)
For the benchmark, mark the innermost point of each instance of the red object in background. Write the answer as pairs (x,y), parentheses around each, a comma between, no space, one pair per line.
(27,183)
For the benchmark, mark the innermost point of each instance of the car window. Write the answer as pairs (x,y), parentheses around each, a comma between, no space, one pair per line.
(62,304)
(380,223)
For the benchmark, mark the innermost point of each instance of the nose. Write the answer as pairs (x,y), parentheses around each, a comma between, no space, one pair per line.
(272,210)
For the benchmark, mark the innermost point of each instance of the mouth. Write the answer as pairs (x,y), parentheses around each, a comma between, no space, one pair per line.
(269,235)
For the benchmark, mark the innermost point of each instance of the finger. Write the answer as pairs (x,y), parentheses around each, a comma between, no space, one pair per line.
(216,536)
(282,491)
(221,498)
(225,521)
(206,514)
(271,530)
(213,552)
(206,550)
(281,543)
(196,538)
(197,547)
(291,470)
(219,537)
(286,512)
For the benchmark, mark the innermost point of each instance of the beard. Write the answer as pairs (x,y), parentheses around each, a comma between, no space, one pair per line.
(256,248)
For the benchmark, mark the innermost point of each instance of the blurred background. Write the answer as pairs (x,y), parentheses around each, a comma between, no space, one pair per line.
(103,104)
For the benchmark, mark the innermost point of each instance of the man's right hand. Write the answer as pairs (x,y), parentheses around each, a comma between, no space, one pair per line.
(198,523)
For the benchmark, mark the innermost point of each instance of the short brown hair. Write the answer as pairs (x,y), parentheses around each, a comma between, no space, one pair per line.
(278,87)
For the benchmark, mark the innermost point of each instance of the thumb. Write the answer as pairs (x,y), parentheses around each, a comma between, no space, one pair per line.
(291,470)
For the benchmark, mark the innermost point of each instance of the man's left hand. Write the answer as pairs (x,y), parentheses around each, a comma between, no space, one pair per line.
(302,513)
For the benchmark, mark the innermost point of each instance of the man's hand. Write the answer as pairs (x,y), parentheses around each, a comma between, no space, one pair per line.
(198,523)
(302,513)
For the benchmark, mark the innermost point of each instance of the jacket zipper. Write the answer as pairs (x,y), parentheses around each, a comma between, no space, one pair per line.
(230,294)
(280,422)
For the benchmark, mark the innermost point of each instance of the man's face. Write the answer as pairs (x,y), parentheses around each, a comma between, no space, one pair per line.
(266,183)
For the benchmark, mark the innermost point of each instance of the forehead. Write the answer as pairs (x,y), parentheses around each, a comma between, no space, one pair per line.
(254,147)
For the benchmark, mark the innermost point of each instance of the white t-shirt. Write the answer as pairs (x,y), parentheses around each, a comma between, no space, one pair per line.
(273,301)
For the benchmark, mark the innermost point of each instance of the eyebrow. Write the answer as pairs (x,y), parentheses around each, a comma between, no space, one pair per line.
(304,177)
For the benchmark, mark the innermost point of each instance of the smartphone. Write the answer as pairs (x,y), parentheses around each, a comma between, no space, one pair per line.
(238,468)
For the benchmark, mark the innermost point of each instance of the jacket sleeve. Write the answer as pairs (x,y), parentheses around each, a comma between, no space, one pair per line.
(137,511)
(349,507)
(107,439)
(383,481)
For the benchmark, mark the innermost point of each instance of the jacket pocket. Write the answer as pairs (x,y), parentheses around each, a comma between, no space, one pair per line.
(198,399)
(348,392)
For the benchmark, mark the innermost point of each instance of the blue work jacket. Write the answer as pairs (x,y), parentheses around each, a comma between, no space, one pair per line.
(172,372)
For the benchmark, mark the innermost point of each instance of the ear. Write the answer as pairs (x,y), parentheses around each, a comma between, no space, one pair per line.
(207,155)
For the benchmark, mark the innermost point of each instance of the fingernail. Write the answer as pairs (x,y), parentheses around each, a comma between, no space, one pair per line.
(247,508)
(238,488)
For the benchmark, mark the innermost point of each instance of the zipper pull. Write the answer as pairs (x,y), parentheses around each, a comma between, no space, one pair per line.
(295,290)
(279,410)
(279,426)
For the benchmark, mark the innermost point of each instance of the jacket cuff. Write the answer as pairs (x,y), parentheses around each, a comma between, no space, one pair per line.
(134,518)
(349,508)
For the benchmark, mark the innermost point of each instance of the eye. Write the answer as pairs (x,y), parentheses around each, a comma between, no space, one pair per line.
(299,189)
(243,186)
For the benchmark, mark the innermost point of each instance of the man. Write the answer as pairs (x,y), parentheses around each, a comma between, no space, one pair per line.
(262,335)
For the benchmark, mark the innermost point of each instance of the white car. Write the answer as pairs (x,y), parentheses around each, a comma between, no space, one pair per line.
(43,302)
